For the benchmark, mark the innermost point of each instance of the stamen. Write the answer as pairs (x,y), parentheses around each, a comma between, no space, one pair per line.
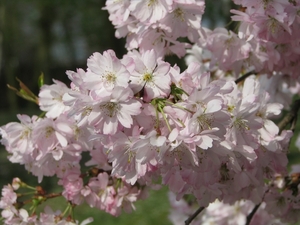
(241,124)
(205,121)
(48,131)
(152,2)
(110,77)
(178,13)
(147,77)
(109,108)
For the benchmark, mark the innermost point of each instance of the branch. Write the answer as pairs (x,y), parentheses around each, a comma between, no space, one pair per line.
(194,215)
(53,195)
(243,77)
(290,117)
(250,216)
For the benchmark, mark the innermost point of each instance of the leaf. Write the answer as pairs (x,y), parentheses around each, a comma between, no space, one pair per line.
(25,89)
(41,80)
(24,92)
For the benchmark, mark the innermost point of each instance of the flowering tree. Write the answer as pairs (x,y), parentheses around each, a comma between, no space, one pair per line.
(206,131)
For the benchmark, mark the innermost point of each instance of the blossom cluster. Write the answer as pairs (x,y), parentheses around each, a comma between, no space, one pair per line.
(157,24)
(16,215)
(140,118)
(267,39)
(273,28)
(142,122)
(221,213)
(278,207)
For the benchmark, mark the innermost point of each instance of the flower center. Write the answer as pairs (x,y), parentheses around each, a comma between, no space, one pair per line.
(110,77)
(77,132)
(178,13)
(59,98)
(131,154)
(280,201)
(241,124)
(25,134)
(48,131)
(230,108)
(151,2)
(273,25)
(229,41)
(109,108)
(224,172)
(148,77)
(205,121)
(86,111)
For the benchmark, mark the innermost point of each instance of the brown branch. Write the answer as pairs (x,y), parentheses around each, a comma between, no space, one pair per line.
(290,117)
(243,77)
(194,215)
(250,216)
(53,195)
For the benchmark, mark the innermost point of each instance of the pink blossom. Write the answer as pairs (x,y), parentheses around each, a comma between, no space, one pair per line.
(127,196)
(107,113)
(16,137)
(48,216)
(148,148)
(118,11)
(150,10)
(150,76)
(183,17)
(104,73)
(273,28)
(223,46)
(7,201)
(123,156)
(50,99)
(73,185)
(48,134)
(142,122)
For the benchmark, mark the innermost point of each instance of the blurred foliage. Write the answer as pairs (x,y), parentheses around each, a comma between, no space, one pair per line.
(49,36)
(153,210)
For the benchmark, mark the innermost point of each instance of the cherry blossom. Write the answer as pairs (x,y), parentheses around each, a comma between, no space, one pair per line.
(108,112)
(50,99)
(150,76)
(127,125)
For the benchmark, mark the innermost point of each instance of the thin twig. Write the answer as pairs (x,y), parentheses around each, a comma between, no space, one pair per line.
(243,77)
(290,117)
(194,215)
(53,195)
(250,216)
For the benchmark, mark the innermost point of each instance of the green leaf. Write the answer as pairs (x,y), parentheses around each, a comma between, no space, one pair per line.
(25,89)
(24,92)
(41,80)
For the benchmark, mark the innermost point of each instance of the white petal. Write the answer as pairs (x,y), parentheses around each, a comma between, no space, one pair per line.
(62,140)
